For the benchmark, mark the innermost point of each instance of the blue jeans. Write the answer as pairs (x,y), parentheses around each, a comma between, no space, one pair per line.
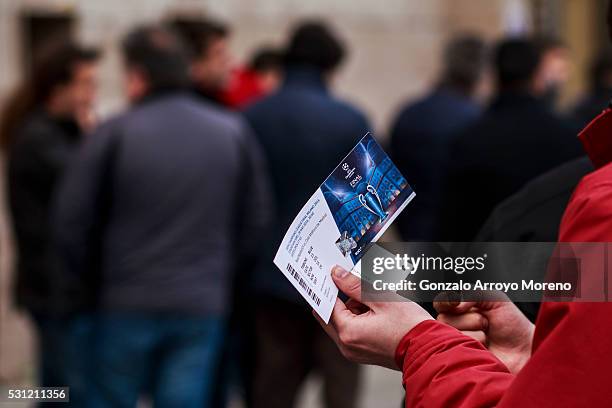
(168,357)
(63,344)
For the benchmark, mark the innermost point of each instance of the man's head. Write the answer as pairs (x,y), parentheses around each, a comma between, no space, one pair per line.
(64,79)
(314,44)
(155,60)
(553,69)
(464,62)
(267,63)
(516,62)
(208,44)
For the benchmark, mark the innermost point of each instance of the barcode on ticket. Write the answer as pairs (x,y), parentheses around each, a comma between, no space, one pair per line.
(303,284)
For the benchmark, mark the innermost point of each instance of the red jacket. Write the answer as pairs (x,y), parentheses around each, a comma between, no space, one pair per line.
(244,88)
(572,348)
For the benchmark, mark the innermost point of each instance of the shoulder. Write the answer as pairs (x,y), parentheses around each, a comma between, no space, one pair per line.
(588,216)
(178,110)
(438,111)
(561,180)
(595,182)
(232,125)
(545,197)
(348,109)
(35,128)
(306,103)
(562,124)
(415,107)
(35,135)
(110,126)
(276,102)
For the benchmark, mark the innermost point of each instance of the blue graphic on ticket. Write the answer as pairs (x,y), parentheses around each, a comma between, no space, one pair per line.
(352,208)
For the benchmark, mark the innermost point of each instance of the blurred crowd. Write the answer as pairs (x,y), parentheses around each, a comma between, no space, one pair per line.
(145,241)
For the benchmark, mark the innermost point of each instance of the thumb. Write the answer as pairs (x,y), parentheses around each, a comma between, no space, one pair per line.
(347,283)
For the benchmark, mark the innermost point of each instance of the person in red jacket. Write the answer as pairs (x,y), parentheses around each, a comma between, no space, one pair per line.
(565,362)
(259,78)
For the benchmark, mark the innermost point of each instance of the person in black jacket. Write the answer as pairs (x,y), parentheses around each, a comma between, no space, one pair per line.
(425,129)
(41,129)
(304,130)
(534,213)
(517,139)
(207,42)
(165,201)
(599,94)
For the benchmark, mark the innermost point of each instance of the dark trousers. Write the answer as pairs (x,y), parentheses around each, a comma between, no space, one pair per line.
(171,357)
(235,367)
(289,345)
(63,355)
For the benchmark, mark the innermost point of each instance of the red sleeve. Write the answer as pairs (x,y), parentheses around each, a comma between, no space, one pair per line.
(588,217)
(444,368)
(571,359)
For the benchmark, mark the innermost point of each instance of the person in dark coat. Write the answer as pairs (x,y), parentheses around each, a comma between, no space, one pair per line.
(207,43)
(305,131)
(41,130)
(534,213)
(600,93)
(554,68)
(517,139)
(165,201)
(424,130)
(210,68)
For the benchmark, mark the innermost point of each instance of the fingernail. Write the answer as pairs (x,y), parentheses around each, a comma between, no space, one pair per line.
(339,272)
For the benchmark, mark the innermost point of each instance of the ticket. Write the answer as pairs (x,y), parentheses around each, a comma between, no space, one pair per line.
(353,207)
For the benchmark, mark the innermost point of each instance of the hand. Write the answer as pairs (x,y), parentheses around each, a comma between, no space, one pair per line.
(499,325)
(369,332)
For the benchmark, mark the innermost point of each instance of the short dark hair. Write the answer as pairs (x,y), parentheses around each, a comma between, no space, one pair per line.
(52,67)
(516,62)
(199,34)
(266,59)
(313,43)
(55,65)
(465,58)
(159,54)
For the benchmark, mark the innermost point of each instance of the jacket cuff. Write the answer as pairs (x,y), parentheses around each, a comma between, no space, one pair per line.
(404,344)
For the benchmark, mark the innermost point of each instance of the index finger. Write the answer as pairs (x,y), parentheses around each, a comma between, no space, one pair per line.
(451,304)
(328,328)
